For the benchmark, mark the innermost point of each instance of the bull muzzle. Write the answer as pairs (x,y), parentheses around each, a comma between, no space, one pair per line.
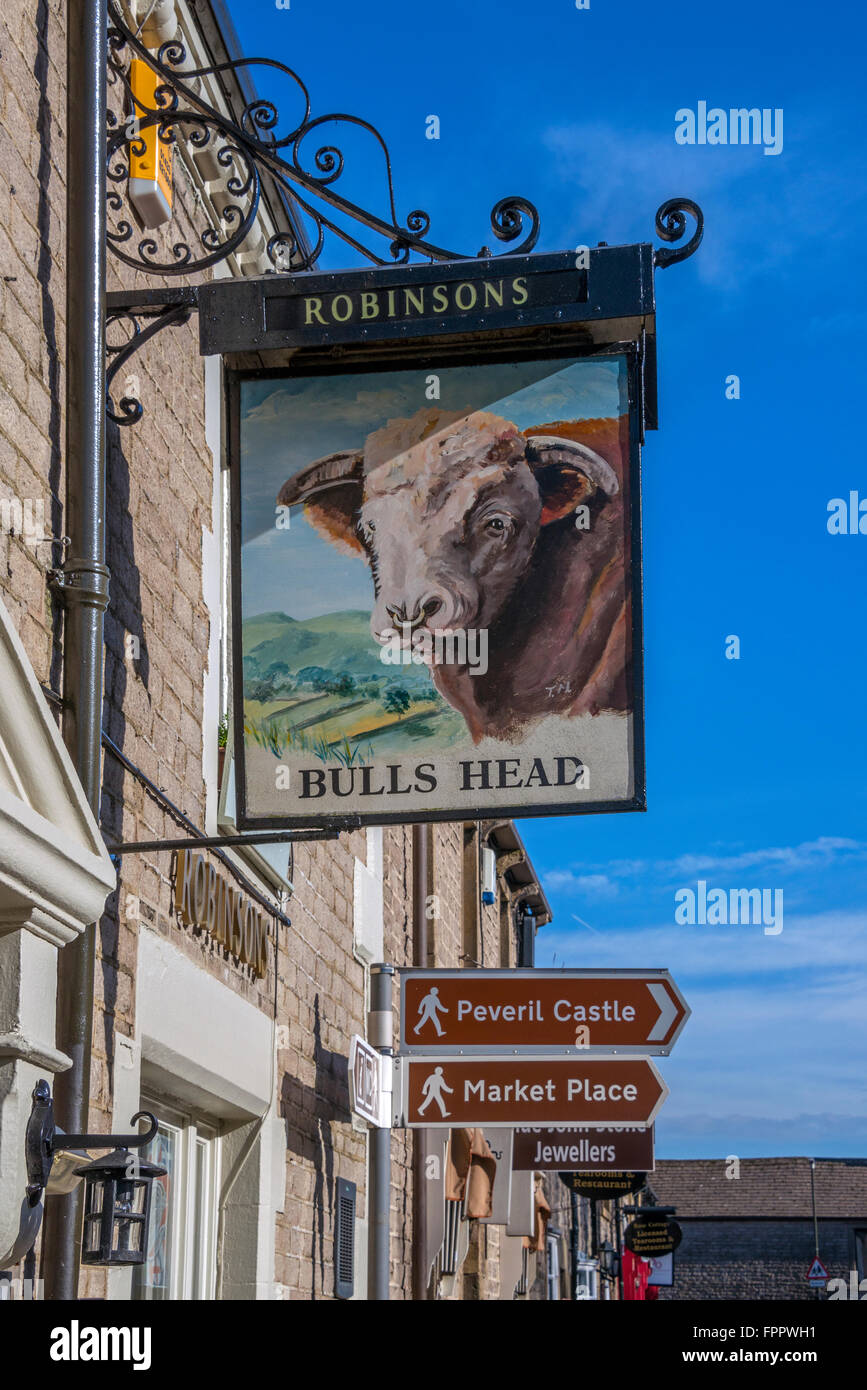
(399,616)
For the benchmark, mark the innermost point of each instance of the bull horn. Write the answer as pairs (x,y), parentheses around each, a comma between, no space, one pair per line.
(552,448)
(328,472)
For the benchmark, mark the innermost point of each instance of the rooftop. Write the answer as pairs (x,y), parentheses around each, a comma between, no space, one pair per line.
(766,1187)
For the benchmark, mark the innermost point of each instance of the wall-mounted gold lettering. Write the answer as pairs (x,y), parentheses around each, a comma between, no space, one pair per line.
(204,899)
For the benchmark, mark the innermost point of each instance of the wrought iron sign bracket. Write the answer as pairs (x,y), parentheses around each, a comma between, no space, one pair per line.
(247,154)
(276,837)
(145,315)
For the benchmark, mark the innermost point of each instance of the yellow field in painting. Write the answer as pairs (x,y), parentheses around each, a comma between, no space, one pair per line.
(321,718)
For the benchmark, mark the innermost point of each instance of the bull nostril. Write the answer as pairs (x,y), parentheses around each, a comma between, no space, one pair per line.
(433,605)
(397,615)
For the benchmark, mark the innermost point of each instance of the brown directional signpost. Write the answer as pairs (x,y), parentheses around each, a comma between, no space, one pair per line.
(449,1092)
(537,1012)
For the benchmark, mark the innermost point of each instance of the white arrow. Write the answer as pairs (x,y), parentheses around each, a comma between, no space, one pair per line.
(667,1012)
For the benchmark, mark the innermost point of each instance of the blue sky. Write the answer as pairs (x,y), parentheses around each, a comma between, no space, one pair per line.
(757,767)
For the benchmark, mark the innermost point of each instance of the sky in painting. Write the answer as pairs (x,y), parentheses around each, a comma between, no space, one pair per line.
(756,767)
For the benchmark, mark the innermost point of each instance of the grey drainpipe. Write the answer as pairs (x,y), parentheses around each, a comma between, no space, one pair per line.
(84,585)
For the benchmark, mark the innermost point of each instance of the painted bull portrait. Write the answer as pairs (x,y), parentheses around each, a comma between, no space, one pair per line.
(469,524)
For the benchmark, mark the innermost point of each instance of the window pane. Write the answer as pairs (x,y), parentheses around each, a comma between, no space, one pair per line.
(91,1233)
(152,1279)
(127,1235)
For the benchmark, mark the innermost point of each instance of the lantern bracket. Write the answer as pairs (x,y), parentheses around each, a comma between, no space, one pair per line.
(43,1139)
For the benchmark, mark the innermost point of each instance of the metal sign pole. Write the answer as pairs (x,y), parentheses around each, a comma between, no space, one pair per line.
(573,1242)
(379,1032)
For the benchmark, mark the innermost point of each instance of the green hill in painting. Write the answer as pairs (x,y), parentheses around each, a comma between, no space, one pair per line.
(338,642)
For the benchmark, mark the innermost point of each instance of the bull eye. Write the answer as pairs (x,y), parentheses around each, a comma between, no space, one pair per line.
(496,525)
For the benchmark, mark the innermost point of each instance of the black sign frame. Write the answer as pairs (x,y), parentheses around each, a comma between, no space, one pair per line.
(628,289)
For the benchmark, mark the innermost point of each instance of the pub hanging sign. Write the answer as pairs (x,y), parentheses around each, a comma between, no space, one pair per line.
(436,549)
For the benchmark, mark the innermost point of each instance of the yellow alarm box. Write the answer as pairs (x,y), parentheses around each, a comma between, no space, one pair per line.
(150,171)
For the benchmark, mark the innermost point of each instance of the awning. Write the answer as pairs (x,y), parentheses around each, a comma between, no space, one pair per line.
(536,1242)
(471,1170)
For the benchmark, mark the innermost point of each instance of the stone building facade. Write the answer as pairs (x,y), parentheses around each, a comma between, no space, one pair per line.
(748,1230)
(247,1072)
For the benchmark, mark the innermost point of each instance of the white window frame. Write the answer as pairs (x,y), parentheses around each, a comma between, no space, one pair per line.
(553,1271)
(588,1280)
(186,1204)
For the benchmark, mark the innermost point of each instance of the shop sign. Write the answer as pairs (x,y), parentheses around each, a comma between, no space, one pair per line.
(595,1150)
(437,561)
(204,899)
(652,1235)
(601,1187)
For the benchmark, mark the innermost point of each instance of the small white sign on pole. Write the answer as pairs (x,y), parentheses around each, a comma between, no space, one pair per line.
(369,1083)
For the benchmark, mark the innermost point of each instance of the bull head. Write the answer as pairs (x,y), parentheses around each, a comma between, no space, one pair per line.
(447,508)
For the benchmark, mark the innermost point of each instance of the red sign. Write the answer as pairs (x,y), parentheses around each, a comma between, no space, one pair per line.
(817,1274)
(445,1092)
(582,1011)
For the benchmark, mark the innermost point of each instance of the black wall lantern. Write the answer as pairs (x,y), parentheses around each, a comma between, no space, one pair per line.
(609,1260)
(118,1188)
(117,1203)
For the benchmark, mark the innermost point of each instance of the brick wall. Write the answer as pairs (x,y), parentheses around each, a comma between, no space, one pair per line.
(32,305)
(765,1260)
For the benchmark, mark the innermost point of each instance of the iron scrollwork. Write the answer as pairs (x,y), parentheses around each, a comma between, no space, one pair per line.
(252,146)
(239,152)
(671,226)
(129,408)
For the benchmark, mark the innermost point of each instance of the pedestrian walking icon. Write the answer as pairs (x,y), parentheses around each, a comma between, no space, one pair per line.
(427,1011)
(433,1090)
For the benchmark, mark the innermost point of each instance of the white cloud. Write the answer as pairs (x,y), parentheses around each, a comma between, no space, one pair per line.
(778,1024)
(819,943)
(591,885)
(608,170)
(811,854)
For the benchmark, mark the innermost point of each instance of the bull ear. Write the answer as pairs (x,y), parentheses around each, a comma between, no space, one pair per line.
(330,490)
(567,474)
